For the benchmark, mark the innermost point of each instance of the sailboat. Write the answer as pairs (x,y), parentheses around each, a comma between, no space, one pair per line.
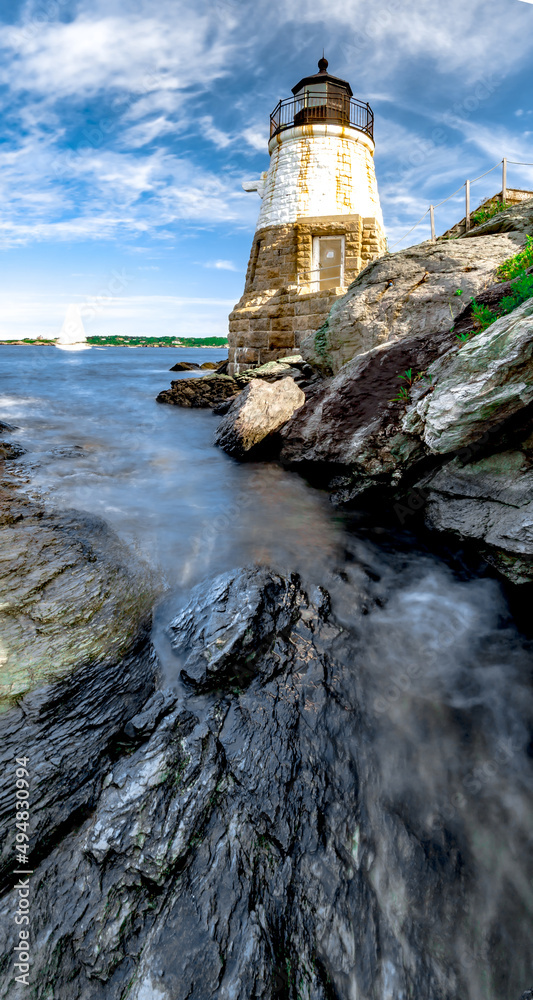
(72,335)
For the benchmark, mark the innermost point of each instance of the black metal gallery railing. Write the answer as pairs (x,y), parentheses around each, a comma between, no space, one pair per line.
(315,107)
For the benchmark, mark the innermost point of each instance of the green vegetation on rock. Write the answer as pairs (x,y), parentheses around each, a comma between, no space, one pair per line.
(486,212)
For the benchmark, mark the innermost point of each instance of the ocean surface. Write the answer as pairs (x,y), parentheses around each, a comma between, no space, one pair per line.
(446,672)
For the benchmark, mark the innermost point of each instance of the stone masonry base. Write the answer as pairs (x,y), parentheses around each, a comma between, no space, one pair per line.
(277,311)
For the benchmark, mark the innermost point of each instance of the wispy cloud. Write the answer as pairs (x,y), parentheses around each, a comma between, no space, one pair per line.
(222,265)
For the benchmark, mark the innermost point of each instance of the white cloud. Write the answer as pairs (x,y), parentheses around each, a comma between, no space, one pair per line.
(214,134)
(256,137)
(222,265)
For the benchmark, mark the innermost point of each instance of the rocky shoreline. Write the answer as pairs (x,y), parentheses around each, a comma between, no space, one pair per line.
(222,842)
(407,403)
(231,823)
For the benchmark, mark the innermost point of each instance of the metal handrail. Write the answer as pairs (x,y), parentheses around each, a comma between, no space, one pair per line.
(314,106)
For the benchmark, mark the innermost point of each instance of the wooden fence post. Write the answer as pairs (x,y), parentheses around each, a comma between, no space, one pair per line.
(432,219)
(467,206)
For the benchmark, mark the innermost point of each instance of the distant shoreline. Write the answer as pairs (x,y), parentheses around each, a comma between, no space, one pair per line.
(52,343)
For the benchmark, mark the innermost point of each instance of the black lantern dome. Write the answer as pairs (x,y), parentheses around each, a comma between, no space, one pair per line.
(322,98)
(323,82)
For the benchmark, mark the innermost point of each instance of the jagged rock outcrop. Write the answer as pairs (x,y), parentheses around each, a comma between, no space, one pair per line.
(205,392)
(490,502)
(408,294)
(486,382)
(70,593)
(355,433)
(214,391)
(246,839)
(257,413)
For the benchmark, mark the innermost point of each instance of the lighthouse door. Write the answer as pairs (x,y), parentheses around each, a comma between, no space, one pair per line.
(328,262)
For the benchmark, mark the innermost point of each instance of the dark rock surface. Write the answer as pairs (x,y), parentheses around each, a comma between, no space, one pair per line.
(215,390)
(70,593)
(184,366)
(6,428)
(243,841)
(205,392)
(11,449)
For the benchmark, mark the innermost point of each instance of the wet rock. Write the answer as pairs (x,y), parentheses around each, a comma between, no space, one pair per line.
(210,365)
(350,427)
(6,428)
(214,390)
(70,593)
(218,644)
(221,408)
(205,392)
(258,412)
(487,381)
(10,449)
(491,502)
(408,294)
(184,366)
(246,847)
(71,731)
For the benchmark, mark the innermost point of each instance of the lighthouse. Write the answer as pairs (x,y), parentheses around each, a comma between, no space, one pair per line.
(320,221)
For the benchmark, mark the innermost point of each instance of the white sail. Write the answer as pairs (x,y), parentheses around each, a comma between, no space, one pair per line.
(72,335)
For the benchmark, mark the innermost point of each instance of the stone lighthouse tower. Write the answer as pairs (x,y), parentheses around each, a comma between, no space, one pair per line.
(320,221)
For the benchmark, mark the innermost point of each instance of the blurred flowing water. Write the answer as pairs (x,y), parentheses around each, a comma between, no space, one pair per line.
(441,670)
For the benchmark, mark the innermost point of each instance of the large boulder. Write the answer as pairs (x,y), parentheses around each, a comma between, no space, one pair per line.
(350,426)
(257,413)
(485,383)
(490,502)
(70,593)
(407,294)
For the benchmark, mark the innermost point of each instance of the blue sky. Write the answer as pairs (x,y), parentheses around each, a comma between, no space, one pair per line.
(128,127)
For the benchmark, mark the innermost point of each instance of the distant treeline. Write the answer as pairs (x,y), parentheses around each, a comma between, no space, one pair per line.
(133,341)
(159,341)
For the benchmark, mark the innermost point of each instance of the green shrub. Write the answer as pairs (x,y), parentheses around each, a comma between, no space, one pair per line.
(488,212)
(483,316)
(516,265)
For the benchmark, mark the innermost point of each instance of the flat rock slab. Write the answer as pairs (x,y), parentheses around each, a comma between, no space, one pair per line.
(257,413)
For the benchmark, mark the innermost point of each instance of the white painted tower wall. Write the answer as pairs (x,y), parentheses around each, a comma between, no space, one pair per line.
(321,169)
